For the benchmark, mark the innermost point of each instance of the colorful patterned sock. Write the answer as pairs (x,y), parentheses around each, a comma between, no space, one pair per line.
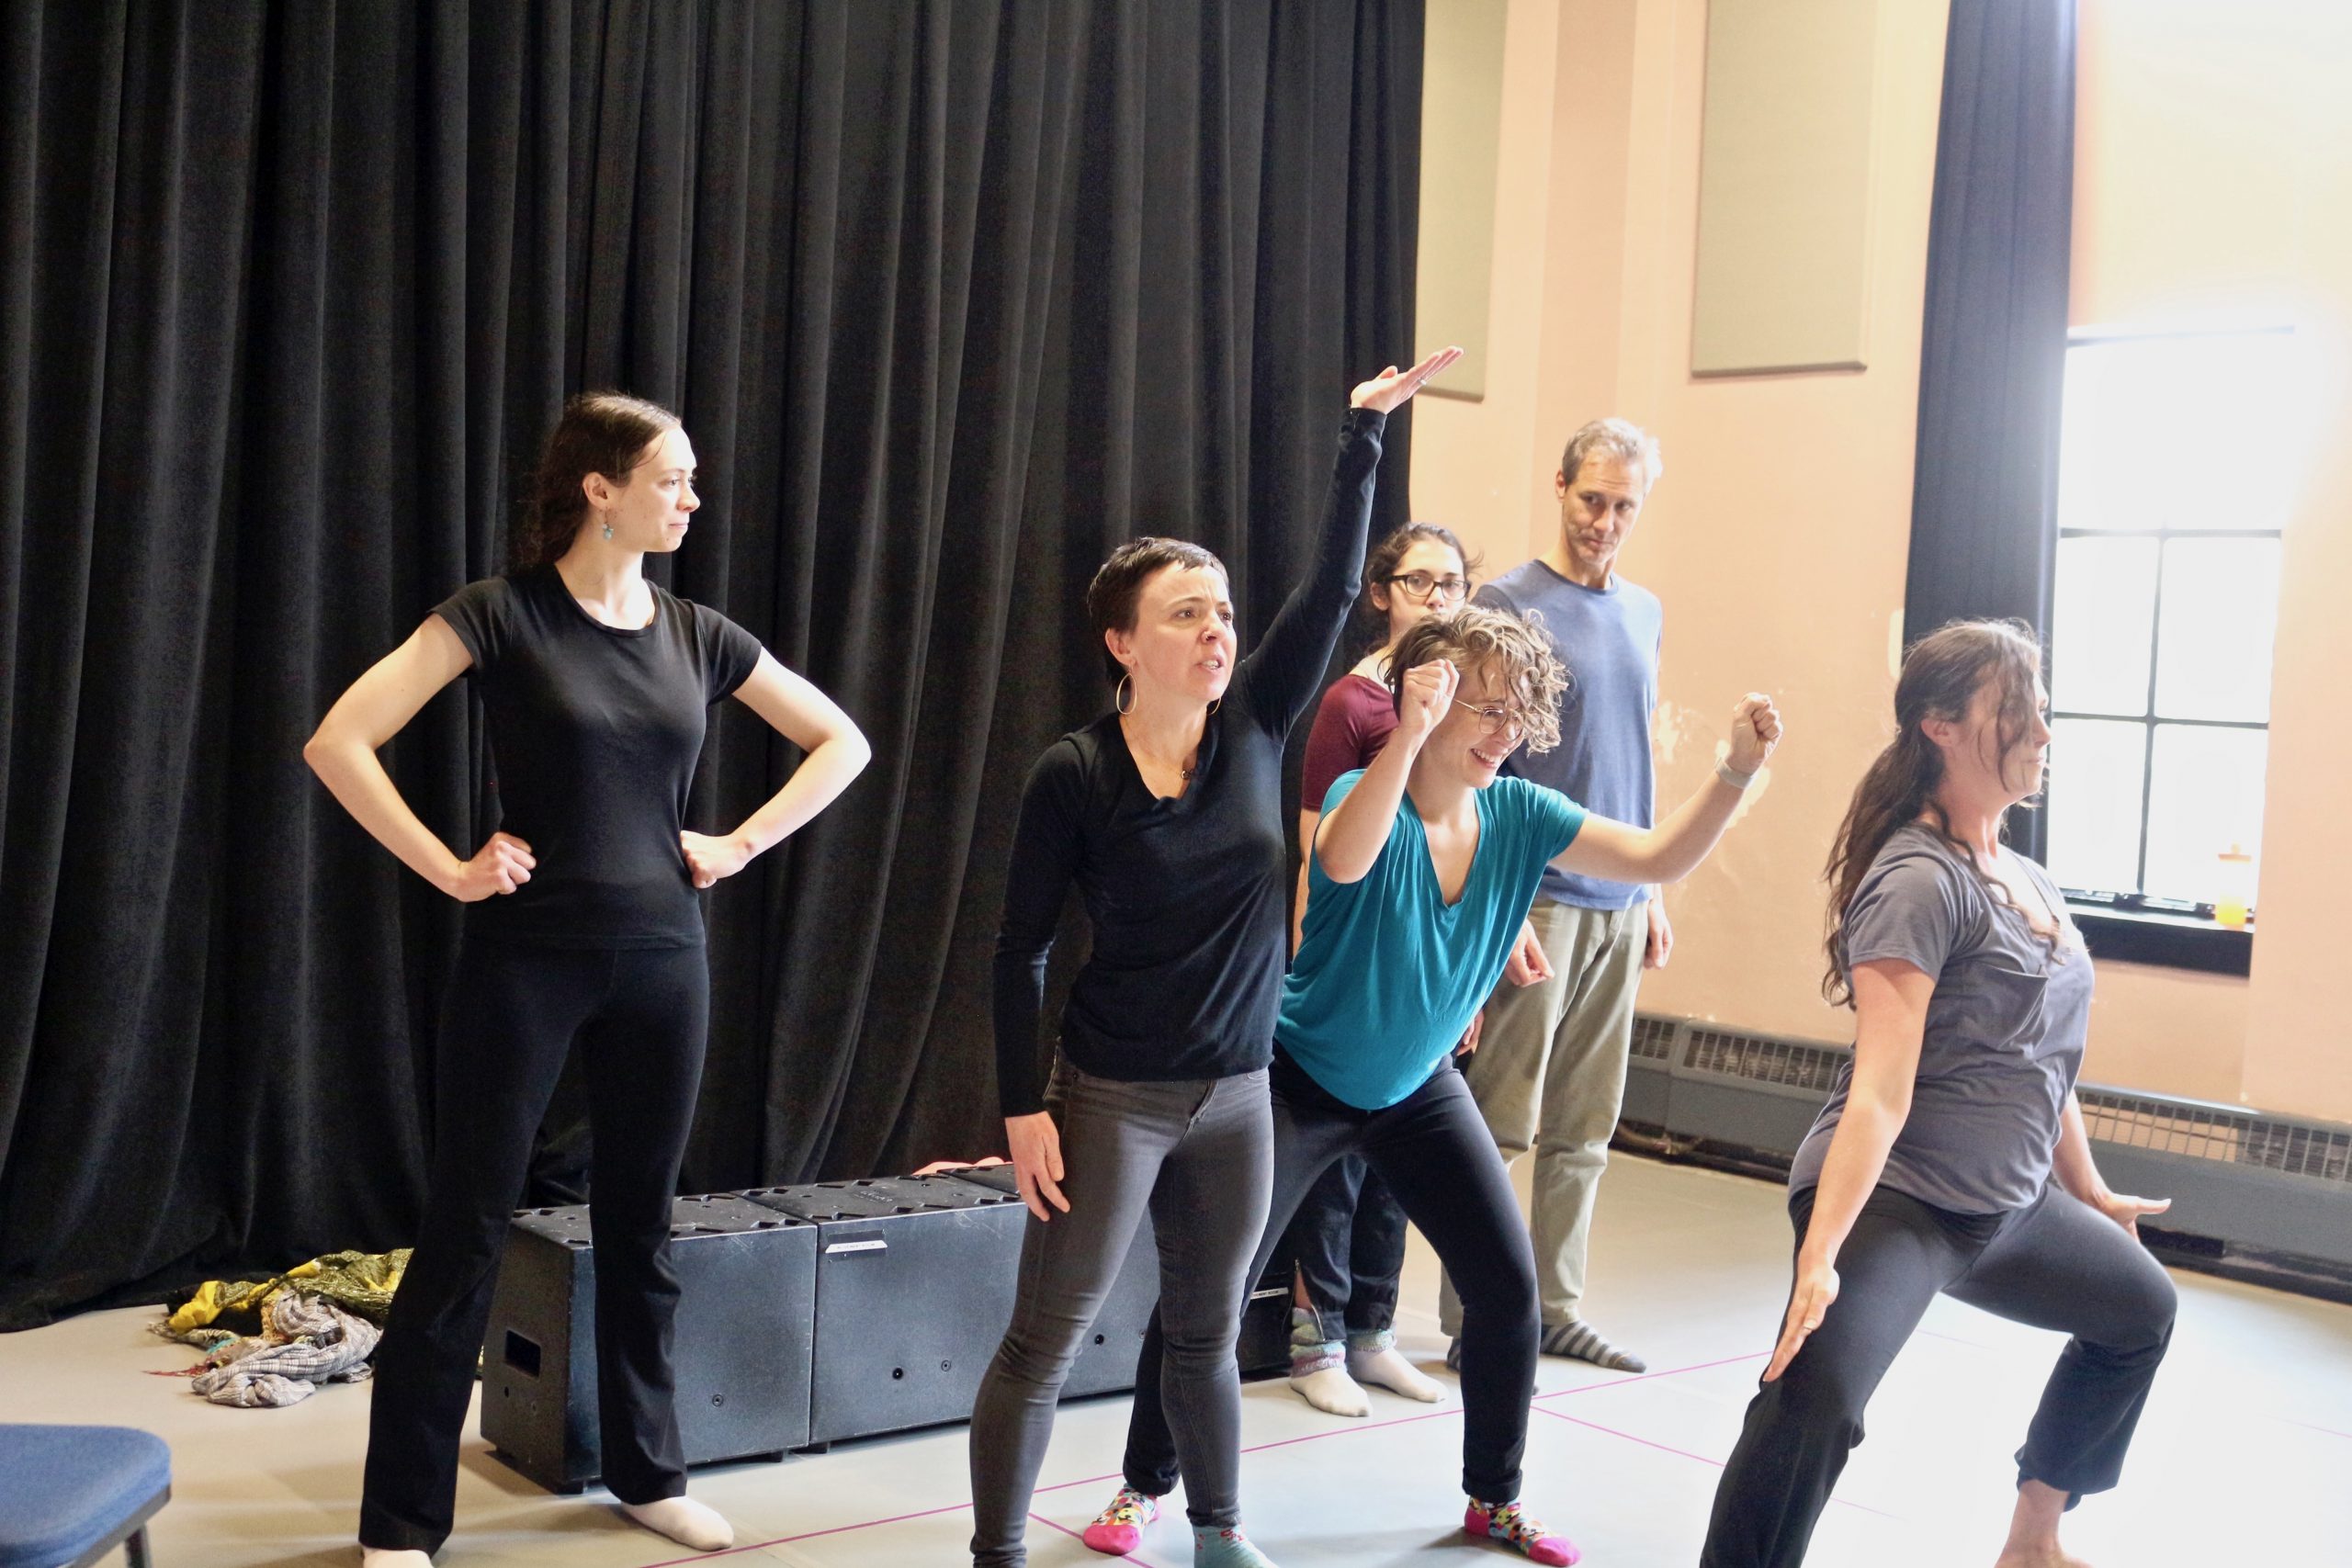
(1511,1525)
(1214,1547)
(1118,1529)
(1584,1343)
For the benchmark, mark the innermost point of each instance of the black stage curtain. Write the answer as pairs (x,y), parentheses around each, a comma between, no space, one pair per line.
(1993,360)
(952,297)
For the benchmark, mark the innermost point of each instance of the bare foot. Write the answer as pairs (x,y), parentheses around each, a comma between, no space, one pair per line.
(2033,1530)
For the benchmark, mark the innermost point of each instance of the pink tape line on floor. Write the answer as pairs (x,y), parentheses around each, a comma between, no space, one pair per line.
(873,1524)
(1685,1453)
(1348,1431)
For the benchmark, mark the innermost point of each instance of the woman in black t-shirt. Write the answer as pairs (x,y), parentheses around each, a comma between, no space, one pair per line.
(1165,816)
(582,926)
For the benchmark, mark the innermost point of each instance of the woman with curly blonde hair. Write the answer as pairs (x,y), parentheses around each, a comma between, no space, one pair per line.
(1422,868)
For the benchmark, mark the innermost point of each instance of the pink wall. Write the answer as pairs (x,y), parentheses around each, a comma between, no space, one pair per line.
(1778,537)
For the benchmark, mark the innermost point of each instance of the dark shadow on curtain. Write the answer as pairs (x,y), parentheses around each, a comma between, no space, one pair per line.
(952,297)
(1993,360)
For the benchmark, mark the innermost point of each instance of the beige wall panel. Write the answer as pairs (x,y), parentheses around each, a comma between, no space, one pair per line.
(1462,95)
(1785,187)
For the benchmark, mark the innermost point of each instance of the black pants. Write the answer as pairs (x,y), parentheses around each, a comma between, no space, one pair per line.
(1348,1239)
(512,1013)
(2056,1263)
(1434,1150)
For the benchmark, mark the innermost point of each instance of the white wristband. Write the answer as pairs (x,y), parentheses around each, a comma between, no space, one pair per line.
(1732,776)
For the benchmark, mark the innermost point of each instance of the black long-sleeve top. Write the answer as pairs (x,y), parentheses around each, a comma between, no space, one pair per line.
(1186,895)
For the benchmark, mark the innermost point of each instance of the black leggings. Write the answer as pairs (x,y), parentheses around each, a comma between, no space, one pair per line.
(512,1013)
(2056,1263)
(1434,1150)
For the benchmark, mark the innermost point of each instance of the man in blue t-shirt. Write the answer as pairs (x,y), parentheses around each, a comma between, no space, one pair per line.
(1549,1073)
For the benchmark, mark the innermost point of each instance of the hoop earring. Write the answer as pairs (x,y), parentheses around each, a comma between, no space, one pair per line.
(1123,695)
(1216,704)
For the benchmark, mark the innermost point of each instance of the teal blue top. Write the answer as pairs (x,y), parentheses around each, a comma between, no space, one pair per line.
(1388,974)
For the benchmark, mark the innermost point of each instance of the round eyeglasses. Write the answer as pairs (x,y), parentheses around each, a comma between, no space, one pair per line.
(1497,718)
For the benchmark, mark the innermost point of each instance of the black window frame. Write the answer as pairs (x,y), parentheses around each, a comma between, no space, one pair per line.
(2136,927)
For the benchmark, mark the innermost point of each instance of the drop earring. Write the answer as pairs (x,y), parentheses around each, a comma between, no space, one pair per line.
(608,527)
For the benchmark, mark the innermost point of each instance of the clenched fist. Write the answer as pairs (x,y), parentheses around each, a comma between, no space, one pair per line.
(1424,697)
(501,865)
(1755,730)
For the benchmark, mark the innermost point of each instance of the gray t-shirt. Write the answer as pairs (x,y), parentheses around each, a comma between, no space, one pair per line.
(1608,638)
(2005,1032)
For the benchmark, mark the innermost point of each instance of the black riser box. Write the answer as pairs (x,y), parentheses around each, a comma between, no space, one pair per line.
(1107,1363)
(915,1279)
(746,1318)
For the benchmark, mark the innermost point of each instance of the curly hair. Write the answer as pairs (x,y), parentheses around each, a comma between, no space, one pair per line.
(1515,649)
(600,433)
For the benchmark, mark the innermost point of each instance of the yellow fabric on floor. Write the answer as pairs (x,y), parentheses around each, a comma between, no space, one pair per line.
(360,1282)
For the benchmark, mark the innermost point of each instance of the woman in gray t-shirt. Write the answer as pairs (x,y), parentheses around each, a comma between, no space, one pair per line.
(1929,1170)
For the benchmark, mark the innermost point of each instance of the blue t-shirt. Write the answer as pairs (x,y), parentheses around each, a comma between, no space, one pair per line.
(1608,638)
(1388,974)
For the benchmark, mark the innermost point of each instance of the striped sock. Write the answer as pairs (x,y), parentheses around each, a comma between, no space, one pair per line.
(1584,1343)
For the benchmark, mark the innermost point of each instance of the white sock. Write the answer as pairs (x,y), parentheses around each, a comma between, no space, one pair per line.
(1387,1368)
(1332,1390)
(684,1520)
(386,1556)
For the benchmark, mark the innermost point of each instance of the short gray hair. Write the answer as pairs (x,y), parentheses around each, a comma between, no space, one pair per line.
(1619,438)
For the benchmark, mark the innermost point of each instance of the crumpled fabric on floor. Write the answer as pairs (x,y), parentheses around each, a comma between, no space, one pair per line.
(309,1340)
(219,1310)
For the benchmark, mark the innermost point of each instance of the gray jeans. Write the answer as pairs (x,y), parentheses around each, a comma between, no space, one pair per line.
(1199,1152)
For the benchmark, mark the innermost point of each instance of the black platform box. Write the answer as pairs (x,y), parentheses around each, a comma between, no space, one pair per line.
(915,1278)
(742,1356)
(1107,1365)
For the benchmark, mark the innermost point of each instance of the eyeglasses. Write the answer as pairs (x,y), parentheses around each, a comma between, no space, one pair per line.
(1421,585)
(1497,719)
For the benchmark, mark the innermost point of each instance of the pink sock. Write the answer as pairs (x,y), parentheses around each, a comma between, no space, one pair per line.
(1511,1525)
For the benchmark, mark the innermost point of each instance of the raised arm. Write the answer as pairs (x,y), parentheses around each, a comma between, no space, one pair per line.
(343,753)
(1284,670)
(1355,831)
(835,753)
(1671,851)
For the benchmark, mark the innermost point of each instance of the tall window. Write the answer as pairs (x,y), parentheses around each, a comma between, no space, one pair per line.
(2174,485)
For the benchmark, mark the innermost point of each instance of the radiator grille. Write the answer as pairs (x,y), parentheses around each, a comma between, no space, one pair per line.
(2201,1132)
(2141,1123)
(2193,1131)
(1654,1039)
(1761,1060)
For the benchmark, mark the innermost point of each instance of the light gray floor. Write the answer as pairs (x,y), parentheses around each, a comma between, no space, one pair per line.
(2242,1459)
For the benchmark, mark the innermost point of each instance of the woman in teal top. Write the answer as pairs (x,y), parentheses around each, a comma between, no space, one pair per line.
(1424,866)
